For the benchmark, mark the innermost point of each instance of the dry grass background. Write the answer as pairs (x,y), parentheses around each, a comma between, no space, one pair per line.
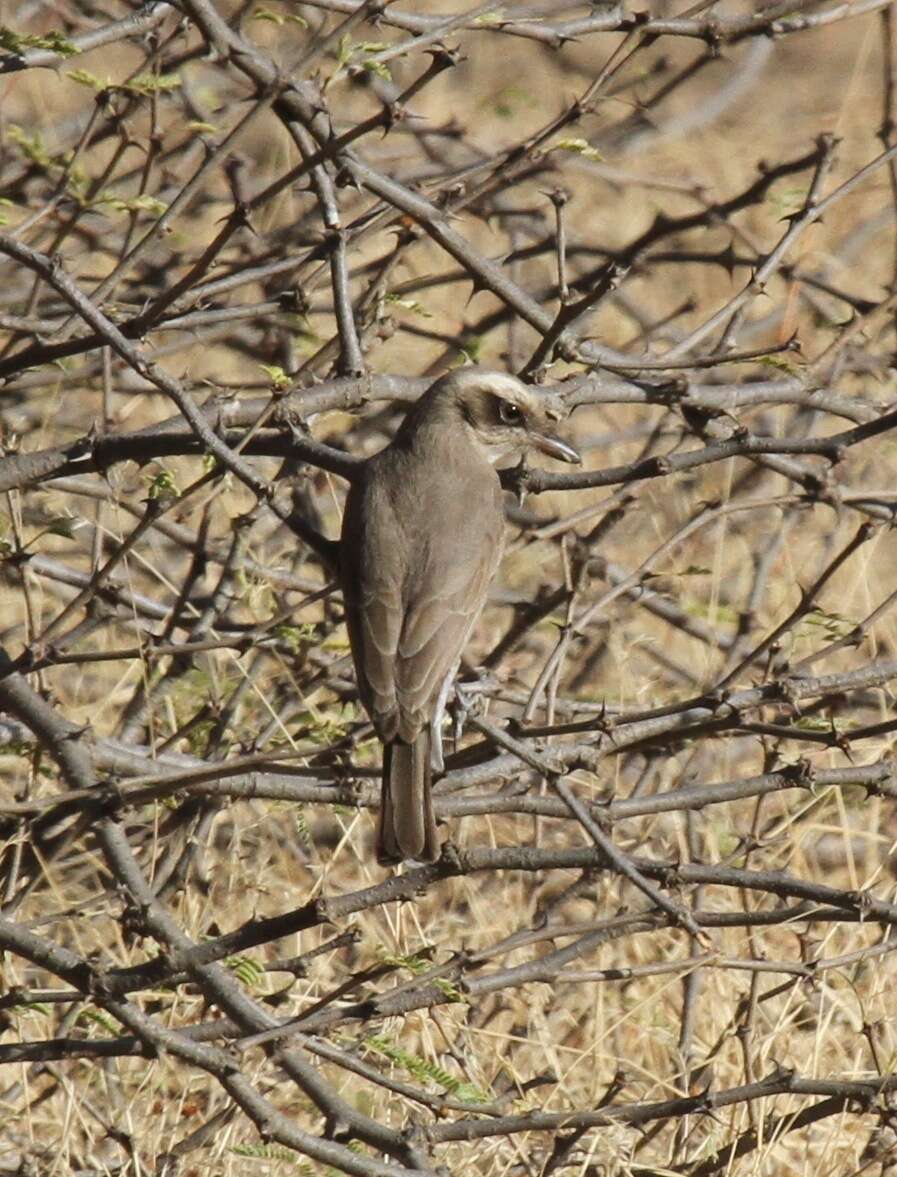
(621,1018)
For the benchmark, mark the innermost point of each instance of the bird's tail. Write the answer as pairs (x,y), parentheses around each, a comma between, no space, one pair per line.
(407,827)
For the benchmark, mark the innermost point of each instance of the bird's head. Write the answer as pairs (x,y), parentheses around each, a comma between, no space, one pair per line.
(504,417)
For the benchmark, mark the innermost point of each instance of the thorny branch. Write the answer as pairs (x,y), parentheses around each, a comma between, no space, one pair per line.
(237,241)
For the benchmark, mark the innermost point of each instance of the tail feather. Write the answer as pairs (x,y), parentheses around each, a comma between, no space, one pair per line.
(407,827)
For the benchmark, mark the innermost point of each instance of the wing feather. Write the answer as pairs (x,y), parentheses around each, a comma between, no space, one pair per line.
(416,570)
(442,606)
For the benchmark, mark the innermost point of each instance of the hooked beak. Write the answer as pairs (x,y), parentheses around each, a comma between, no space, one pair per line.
(552,445)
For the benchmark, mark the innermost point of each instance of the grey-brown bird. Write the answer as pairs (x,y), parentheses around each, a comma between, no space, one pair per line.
(421,540)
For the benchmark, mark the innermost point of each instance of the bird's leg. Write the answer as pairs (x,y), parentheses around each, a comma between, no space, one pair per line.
(460,711)
(468,701)
(437,761)
(464,702)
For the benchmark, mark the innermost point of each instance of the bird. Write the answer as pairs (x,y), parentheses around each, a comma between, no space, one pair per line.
(421,539)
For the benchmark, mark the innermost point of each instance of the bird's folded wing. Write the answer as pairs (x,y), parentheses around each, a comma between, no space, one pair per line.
(373,572)
(441,608)
(413,593)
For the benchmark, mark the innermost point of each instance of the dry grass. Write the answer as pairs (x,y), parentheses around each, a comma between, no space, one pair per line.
(558,1044)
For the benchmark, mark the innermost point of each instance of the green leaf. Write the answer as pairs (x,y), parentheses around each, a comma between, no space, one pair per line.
(578,147)
(470,1093)
(813,723)
(692,570)
(787,200)
(61,525)
(267,14)
(245,969)
(296,636)
(303,833)
(379,68)
(718,612)
(278,18)
(416,963)
(84,78)
(32,145)
(452,992)
(470,348)
(408,304)
(344,49)
(163,485)
(325,727)
(133,204)
(779,364)
(77,183)
(100,1019)
(34,1007)
(835,625)
(14,42)
(727,842)
(422,1069)
(279,379)
(274,1153)
(152,83)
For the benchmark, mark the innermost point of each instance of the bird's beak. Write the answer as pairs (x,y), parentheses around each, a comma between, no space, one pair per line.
(555,447)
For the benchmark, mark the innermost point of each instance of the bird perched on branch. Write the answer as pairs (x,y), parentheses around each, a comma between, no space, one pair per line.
(421,540)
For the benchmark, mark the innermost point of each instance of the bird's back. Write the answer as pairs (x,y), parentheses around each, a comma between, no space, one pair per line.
(422,537)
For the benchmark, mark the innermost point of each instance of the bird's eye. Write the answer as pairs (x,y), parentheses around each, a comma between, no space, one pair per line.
(510,413)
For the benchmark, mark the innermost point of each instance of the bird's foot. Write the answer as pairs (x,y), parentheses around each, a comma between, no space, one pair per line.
(468,701)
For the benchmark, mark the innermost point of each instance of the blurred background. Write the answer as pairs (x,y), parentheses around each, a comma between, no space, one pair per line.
(643,167)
